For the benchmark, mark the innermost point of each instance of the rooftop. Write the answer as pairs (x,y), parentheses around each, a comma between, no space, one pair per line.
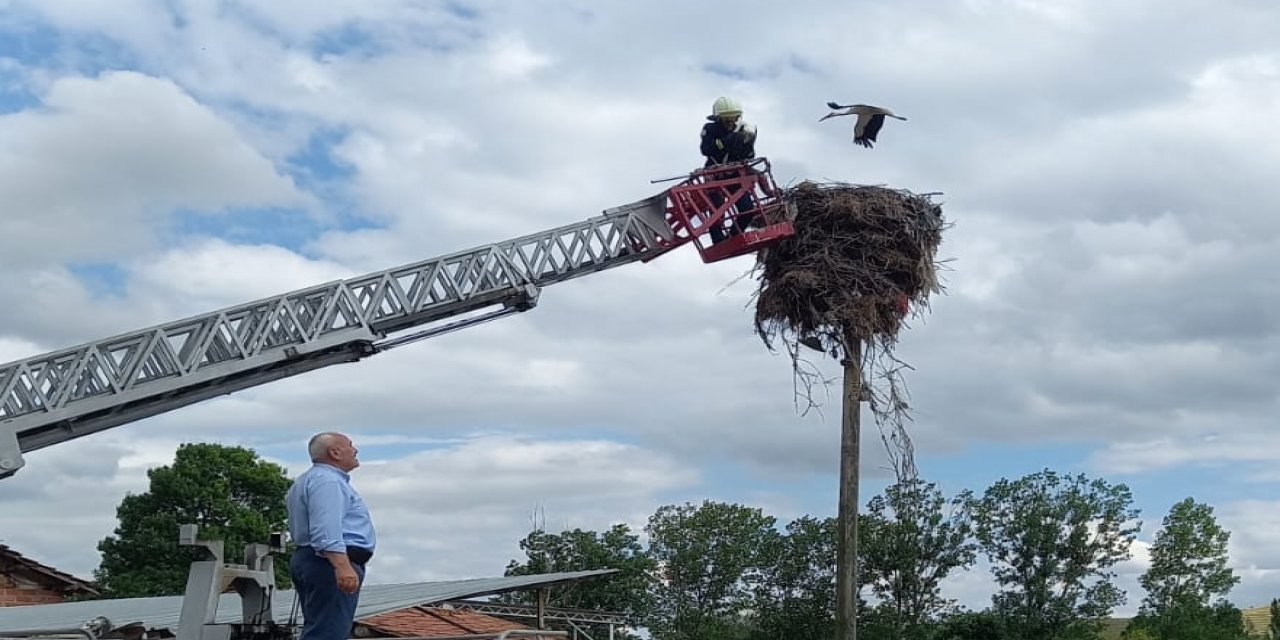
(163,612)
(54,579)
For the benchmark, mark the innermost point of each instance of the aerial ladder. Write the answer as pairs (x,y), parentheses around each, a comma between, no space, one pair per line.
(66,394)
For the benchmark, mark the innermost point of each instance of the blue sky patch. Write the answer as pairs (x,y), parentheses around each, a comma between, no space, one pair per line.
(1157,491)
(981,465)
(100,279)
(15,96)
(315,163)
(365,41)
(461,10)
(315,169)
(290,228)
(350,39)
(177,13)
(23,37)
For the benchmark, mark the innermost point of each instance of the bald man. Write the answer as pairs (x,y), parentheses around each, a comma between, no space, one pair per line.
(333,536)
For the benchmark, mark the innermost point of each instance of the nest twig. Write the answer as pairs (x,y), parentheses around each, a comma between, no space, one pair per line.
(863,260)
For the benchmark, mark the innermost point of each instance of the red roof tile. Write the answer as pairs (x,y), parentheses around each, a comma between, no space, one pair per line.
(430,621)
(59,580)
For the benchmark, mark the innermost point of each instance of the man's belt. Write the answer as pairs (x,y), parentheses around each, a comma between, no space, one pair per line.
(359,555)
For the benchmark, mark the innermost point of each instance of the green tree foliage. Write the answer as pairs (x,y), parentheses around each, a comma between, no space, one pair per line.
(972,625)
(1137,632)
(710,564)
(627,591)
(910,542)
(1188,560)
(796,595)
(228,491)
(1221,621)
(1052,541)
(1188,571)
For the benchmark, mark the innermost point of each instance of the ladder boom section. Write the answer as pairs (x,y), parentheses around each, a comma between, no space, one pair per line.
(59,396)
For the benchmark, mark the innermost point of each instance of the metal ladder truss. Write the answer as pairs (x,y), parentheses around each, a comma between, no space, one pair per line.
(66,394)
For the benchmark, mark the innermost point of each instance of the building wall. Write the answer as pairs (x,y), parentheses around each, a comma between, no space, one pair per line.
(15,592)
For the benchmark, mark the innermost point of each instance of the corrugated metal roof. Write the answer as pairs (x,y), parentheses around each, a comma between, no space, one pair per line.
(163,612)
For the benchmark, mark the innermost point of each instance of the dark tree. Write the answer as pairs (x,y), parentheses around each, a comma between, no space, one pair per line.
(230,492)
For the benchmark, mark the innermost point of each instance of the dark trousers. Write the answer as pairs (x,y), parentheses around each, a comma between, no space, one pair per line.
(327,613)
(744,218)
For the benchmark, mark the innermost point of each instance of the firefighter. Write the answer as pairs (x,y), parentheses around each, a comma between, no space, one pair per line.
(725,139)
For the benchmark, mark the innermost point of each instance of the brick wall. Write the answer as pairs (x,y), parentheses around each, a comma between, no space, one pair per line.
(13,594)
(17,597)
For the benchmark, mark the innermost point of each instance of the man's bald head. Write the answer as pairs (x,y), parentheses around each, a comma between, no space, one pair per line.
(333,448)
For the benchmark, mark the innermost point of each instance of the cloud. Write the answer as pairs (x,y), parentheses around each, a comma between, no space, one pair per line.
(95,173)
(1247,451)
(444,510)
(188,279)
(1252,548)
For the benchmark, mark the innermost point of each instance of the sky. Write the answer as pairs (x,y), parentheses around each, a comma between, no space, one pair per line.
(1111,304)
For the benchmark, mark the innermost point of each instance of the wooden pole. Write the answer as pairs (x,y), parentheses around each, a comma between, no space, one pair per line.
(847,518)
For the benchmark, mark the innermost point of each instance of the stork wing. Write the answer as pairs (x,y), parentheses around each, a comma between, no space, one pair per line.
(864,132)
(834,105)
(873,127)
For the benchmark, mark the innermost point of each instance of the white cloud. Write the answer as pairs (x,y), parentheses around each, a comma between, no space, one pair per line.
(511,58)
(1208,450)
(96,173)
(450,510)
(213,273)
(445,513)
(1253,550)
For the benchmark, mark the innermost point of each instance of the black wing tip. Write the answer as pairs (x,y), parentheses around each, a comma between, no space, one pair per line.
(834,105)
(863,141)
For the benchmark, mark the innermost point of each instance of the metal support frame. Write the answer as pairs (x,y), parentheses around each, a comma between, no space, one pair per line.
(577,630)
(254,582)
(504,610)
(10,452)
(66,394)
(575,618)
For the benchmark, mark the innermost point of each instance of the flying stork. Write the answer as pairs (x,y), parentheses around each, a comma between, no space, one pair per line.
(870,119)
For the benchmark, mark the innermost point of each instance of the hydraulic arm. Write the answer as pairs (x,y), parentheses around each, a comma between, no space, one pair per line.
(66,394)
(59,396)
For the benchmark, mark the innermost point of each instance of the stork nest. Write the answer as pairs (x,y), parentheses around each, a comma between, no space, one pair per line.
(861,263)
(859,255)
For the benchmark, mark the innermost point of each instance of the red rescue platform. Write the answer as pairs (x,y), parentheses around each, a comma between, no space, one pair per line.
(729,210)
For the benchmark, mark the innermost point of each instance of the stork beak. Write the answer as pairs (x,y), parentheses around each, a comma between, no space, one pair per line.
(829,115)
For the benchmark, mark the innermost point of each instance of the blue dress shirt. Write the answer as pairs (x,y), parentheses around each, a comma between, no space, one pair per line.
(326,513)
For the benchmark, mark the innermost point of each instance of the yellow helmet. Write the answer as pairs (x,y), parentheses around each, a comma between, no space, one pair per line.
(726,107)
